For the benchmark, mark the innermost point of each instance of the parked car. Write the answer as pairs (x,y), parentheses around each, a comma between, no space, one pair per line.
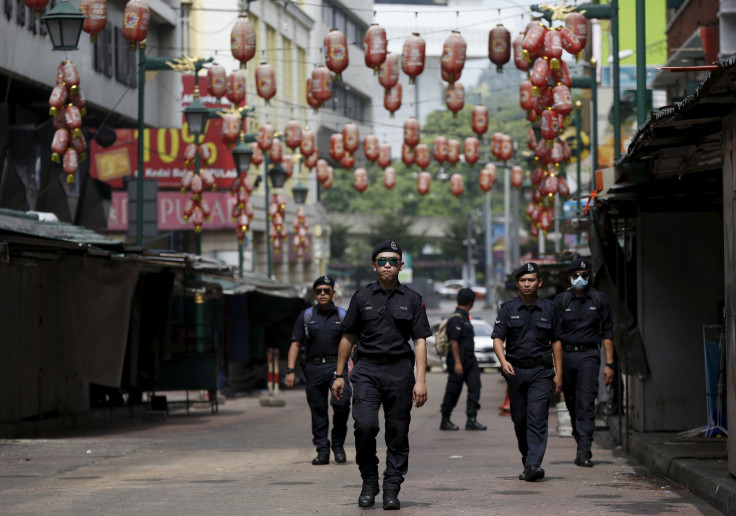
(483,346)
(449,289)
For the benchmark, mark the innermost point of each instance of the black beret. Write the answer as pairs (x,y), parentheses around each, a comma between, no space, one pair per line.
(465,294)
(387,246)
(323,280)
(579,264)
(527,268)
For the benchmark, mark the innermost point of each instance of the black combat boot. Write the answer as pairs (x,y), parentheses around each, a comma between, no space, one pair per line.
(446,424)
(472,424)
(368,494)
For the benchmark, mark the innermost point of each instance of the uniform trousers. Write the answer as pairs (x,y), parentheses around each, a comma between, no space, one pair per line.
(318,387)
(530,391)
(390,385)
(470,376)
(580,370)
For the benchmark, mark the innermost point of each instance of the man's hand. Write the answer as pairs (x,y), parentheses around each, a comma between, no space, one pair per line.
(458,368)
(558,382)
(419,395)
(289,380)
(608,375)
(338,388)
(508,369)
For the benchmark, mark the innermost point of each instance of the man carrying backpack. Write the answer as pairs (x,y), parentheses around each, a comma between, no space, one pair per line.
(586,320)
(319,329)
(462,365)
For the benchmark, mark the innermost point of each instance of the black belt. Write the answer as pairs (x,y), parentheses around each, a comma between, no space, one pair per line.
(528,363)
(578,347)
(384,359)
(327,359)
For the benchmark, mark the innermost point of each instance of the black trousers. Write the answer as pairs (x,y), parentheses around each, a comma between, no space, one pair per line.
(580,370)
(390,385)
(318,388)
(530,391)
(470,376)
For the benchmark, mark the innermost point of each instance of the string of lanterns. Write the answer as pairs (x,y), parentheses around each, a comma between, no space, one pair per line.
(67,105)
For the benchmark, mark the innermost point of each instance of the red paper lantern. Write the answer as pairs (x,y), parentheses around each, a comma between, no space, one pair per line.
(453,56)
(561,99)
(243,40)
(424,181)
(471,146)
(408,154)
(555,154)
(321,84)
(389,178)
(265,137)
(422,155)
(236,83)
(257,158)
(412,56)
(531,139)
(392,99)
(545,220)
(570,41)
(562,75)
(549,185)
(287,162)
(518,46)
(485,178)
(350,137)
(73,120)
(374,46)
(292,134)
(479,120)
(550,124)
(370,147)
(307,144)
(230,128)
(79,144)
(456,184)
(71,76)
(336,51)
(578,23)
(388,72)
(190,152)
(453,151)
(566,154)
(136,17)
(37,6)
(507,148)
(347,161)
(544,100)
(531,116)
(59,96)
(217,81)
(517,176)
(96,13)
(265,81)
(496,144)
(70,164)
(492,172)
(276,152)
(313,102)
(455,97)
(360,179)
(439,149)
(540,73)
(526,100)
(533,40)
(499,46)
(563,188)
(384,155)
(321,170)
(337,149)
(541,152)
(411,131)
(534,230)
(59,144)
(448,77)
(552,49)
(530,209)
(311,160)
(327,183)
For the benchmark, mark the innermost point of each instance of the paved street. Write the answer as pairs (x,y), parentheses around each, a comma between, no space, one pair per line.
(255,460)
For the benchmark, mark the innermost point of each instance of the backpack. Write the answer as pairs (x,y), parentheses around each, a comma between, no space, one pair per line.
(307,318)
(441,342)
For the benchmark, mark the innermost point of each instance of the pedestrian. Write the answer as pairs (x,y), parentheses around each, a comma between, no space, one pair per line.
(319,330)
(531,364)
(586,321)
(462,366)
(383,317)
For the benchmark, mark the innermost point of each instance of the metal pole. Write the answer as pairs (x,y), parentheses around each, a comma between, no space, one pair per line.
(507,219)
(579,153)
(615,77)
(197,234)
(641,63)
(240,258)
(594,115)
(139,177)
(517,251)
(489,250)
(266,163)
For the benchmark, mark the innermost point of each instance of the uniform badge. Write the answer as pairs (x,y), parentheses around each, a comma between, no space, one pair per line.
(393,245)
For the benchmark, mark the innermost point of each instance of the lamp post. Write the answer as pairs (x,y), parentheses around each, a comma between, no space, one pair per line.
(196,115)
(64,25)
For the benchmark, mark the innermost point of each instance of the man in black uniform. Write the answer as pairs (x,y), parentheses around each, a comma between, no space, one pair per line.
(586,320)
(384,316)
(462,366)
(531,364)
(319,329)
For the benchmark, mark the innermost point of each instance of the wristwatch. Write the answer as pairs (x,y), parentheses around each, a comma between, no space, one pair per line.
(289,370)
(612,365)
(335,375)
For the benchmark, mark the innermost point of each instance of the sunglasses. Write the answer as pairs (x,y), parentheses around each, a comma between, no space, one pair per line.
(319,291)
(394,262)
(583,275)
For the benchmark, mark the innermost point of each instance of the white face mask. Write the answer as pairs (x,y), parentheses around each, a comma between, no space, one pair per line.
(579,283)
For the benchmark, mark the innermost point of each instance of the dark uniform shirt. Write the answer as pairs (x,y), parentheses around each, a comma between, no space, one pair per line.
(528,330)
(324,332)
(582,323)
(461,330)
(375,334)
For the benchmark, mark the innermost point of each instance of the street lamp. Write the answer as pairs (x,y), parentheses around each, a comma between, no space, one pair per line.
(299,192)
(278,175)
(242,155)
(64,25)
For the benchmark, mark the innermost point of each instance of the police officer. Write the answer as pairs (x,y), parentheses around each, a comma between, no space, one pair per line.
(531,364)
(462,366)
(384,316)
(321,335)
(585,315)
